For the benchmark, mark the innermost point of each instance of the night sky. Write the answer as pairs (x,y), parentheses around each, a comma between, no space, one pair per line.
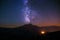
(43,12)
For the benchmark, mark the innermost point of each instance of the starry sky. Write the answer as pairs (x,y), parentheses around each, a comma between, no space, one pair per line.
(43,12)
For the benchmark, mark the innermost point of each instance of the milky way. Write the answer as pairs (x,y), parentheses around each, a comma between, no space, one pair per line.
(26,12)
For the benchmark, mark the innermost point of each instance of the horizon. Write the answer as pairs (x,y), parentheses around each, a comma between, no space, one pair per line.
(15,26)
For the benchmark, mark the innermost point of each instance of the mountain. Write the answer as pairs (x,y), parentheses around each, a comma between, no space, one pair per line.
(29,32)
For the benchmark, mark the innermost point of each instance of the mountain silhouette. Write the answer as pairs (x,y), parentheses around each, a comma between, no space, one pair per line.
(29,27)
(28,32)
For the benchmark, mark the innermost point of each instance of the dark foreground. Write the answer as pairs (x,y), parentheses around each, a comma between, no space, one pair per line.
(27,32)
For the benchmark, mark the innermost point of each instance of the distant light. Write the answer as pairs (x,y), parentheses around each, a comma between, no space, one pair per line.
(43,32)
